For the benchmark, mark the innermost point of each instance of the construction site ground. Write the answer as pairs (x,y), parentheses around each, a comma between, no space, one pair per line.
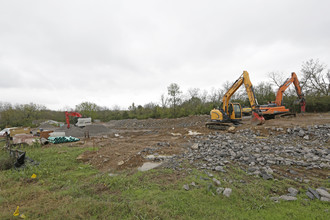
(121,143)
(99,178)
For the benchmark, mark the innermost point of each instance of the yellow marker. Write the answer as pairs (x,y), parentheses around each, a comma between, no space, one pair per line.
(16,213)
(33,176)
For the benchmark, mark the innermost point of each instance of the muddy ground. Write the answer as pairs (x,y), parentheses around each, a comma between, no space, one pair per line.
(125,144)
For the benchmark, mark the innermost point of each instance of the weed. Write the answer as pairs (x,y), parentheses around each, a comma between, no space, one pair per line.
(36,143)
(6,161)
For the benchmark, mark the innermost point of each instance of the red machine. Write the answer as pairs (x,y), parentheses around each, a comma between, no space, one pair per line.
(276,108)
(74,114)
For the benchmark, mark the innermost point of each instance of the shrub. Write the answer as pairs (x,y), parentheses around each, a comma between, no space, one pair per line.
(6,161)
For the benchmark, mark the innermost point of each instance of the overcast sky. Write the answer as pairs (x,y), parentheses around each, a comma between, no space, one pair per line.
(61,53)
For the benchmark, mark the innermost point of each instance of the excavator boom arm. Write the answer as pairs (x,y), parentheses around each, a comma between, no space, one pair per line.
(249,90)
(244,78)
(74,114)
(297,86)
(230,92)
(285,85)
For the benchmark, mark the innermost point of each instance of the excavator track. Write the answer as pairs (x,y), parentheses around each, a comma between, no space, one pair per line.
(218,125)
(286,115)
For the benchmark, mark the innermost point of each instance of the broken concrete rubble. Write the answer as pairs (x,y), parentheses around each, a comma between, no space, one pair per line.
(216,182)
(323,193)
(28,139)
(287,198)
(186,187)
(227,192)
(293,191)
(256,156)
(314,193)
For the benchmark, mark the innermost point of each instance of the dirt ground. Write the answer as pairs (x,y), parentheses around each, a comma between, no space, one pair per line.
(127,142)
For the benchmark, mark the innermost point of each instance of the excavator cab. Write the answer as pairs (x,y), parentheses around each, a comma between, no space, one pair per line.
(222,120)
(235,111)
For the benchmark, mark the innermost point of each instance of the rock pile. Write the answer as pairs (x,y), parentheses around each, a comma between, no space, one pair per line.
(259,153)
(320,194)
(256,154)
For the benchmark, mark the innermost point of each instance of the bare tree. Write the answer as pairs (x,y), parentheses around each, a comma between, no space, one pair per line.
(115,108)
(150,105)
(316,79)
(164,101)
(67,108)
(194,92)
(215,95)
(276,78)
(204,96)
(239,94)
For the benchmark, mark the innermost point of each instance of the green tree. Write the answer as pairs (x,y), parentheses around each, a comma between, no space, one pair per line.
(132,111)
(20,114)
(174,92)
(88,109)
(264,93)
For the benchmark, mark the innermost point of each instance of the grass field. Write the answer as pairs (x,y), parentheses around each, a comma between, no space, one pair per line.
(67,189)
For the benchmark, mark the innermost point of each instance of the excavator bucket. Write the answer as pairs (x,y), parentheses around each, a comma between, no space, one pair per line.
(257,119)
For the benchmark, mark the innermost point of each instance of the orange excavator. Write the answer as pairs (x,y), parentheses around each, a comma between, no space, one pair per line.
(277,108)
(74,114)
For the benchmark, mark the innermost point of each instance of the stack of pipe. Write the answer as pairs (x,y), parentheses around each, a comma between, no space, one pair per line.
(62,139)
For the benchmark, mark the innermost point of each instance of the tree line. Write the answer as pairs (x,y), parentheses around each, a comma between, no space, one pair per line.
(314,80)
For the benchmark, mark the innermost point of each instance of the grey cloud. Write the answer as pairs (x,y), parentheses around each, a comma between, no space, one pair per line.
(119,52)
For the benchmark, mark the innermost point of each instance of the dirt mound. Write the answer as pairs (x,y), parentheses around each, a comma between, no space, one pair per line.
(132,162)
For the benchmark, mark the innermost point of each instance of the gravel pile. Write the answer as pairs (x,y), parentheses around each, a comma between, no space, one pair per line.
(256,154)
(94,130)
(160,123)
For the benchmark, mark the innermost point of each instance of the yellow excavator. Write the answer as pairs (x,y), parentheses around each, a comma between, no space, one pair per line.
(231,113)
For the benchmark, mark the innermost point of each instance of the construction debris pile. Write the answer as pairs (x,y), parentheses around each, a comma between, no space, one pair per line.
(298,147)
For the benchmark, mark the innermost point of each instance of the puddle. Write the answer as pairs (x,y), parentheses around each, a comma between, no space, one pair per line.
(148,166)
